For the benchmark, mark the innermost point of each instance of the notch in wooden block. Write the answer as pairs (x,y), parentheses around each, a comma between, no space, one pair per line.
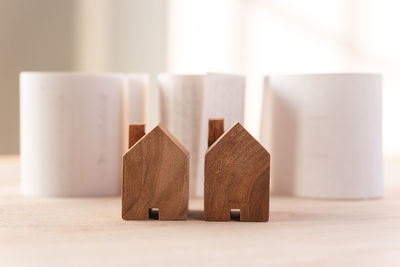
(155,176)
(236,175)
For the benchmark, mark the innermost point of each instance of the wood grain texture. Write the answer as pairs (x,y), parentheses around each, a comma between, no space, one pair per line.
(48,232)
(236,177)
(155,175)
(215,130)
(136,131)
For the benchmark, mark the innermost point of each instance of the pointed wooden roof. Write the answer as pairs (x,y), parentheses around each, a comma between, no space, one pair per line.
(235,131)
(160,129)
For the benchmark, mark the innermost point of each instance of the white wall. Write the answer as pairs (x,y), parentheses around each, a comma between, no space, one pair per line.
(34,35)
(254,38)
(78,35)
(260,37)
(123,36)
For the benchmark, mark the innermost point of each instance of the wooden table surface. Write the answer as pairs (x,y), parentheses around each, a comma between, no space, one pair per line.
(301,232)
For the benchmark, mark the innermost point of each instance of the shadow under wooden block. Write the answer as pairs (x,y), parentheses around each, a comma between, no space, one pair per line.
(237,169)
(196,215)
(155,177)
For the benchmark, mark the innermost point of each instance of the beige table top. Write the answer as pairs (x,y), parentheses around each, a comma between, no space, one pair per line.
(301,232)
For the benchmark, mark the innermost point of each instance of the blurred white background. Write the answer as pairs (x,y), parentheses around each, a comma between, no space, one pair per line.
(251,37)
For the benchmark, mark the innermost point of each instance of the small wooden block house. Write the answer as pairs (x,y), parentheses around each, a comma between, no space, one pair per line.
(155,176)
(237,171)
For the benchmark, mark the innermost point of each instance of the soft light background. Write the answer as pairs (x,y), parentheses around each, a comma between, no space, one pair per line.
(252,37)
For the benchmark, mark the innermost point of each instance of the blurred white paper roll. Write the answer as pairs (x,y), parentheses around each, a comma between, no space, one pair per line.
(324,132)
(71,133)
(138,86)
(135,102)
(186,104)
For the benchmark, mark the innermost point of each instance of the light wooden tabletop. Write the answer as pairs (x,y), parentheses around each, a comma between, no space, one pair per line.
(301,232)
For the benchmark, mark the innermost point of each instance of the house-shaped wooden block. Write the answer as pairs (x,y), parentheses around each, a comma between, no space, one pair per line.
(236,175)
(155,176)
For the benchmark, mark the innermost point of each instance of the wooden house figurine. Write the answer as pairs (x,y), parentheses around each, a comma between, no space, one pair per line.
(237,169)
(155,176)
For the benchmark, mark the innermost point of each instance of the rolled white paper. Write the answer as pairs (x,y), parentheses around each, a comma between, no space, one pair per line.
(71,133)
(138,86)
(181,100)
(186,104)
(135,102)
(324,132)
